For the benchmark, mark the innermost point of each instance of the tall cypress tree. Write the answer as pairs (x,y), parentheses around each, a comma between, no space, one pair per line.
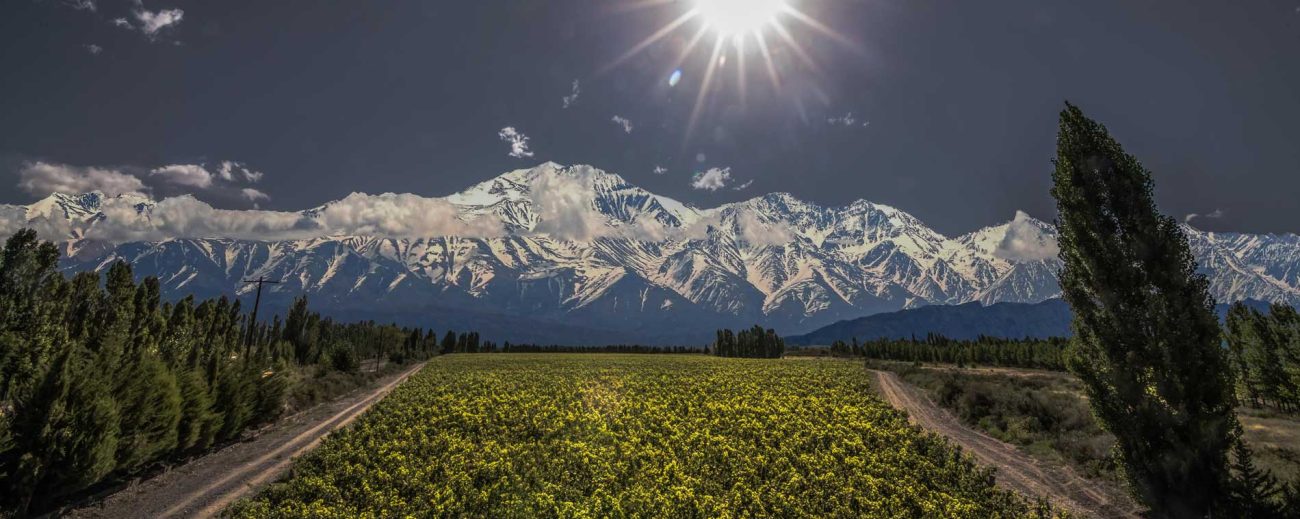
(1240,333)
(149,404)
(1265,358)
(1146,339)
(66,432)
(1286,324)
(26,266)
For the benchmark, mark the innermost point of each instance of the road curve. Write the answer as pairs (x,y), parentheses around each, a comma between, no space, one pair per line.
(206,486)
(1015,469)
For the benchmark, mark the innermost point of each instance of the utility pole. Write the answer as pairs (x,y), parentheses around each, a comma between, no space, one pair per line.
(252,323)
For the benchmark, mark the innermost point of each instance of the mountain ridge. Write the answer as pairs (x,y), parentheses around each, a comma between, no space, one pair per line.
(577,248)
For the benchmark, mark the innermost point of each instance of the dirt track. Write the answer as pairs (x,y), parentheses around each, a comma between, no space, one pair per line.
(1016,470)
(203,487)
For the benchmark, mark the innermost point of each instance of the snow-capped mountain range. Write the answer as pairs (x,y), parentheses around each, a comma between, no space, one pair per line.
(575,254)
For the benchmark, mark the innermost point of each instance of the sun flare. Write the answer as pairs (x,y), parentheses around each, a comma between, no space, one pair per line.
(739,17)
(735,28)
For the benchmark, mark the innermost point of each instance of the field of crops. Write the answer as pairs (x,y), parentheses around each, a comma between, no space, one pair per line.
(575,435)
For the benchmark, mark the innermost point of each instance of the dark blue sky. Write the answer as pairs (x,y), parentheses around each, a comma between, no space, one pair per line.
(327,98)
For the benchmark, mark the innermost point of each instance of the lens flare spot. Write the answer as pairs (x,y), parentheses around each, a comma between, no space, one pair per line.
(673,79)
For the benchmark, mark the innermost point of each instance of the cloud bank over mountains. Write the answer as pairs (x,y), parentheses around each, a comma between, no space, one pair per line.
(576,246)
(561,203)
(44,178)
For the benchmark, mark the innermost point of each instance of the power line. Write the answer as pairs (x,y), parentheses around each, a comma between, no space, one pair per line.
(252,323)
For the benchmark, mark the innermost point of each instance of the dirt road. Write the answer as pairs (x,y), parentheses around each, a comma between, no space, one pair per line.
(1016,470)
(203,487)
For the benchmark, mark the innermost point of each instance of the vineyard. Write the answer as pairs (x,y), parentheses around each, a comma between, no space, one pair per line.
(534,435)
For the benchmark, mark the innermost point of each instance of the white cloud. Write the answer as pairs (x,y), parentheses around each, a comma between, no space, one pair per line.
(388,215)
(192,175)
(227,170)
(81,5)
(232,171)
(659,170)
(744,185)
(122,22)
(761,234)
(745,223)
(1027,239)
(1214,215)
(847,120)
(43,178)
(564,206)
(402,216)
(573,95)
(624,122)
(151,22)
(564,203)
(253,195)
(711,180)
(518,142)
(93,49)
(188,217)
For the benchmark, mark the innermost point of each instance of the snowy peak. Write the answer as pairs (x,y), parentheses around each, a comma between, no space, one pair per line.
(82,207)
(570,196)
(577,245)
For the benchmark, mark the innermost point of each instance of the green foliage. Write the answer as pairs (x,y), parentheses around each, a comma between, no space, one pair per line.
(26,270)
(101,383)
(65,433)
(1042,412)
(234,394)
(754,343)
(1146,340)
(1267,360)
(1046,354)
(535,435)
(608,348)
(272,393)
(1254,490)
(342,358)
(197,427)
(149,403)
(1266,352)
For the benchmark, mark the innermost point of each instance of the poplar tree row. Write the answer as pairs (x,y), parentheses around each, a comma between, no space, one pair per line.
(754,343)
(100,379)
(1030,353)
(609,348)
(1265,350)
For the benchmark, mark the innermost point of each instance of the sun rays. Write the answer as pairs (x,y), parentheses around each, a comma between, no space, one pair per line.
(738,28)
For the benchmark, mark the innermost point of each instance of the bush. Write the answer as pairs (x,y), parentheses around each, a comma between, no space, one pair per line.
(342,358)
(1046,414)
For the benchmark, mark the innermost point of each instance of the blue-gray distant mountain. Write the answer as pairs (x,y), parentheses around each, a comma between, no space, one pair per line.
(1049,318)
(578,255)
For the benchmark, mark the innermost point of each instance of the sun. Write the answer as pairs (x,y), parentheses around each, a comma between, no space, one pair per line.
(758,28)
(736,18)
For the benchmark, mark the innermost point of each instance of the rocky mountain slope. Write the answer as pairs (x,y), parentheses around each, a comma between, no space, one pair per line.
(575,254)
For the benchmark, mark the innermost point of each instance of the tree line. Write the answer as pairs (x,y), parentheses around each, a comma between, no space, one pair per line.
(1048,354)
(608,348)
(1265,349)
(100,379)
(754,343)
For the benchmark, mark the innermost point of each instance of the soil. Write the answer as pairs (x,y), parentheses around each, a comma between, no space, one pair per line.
(1017,471)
